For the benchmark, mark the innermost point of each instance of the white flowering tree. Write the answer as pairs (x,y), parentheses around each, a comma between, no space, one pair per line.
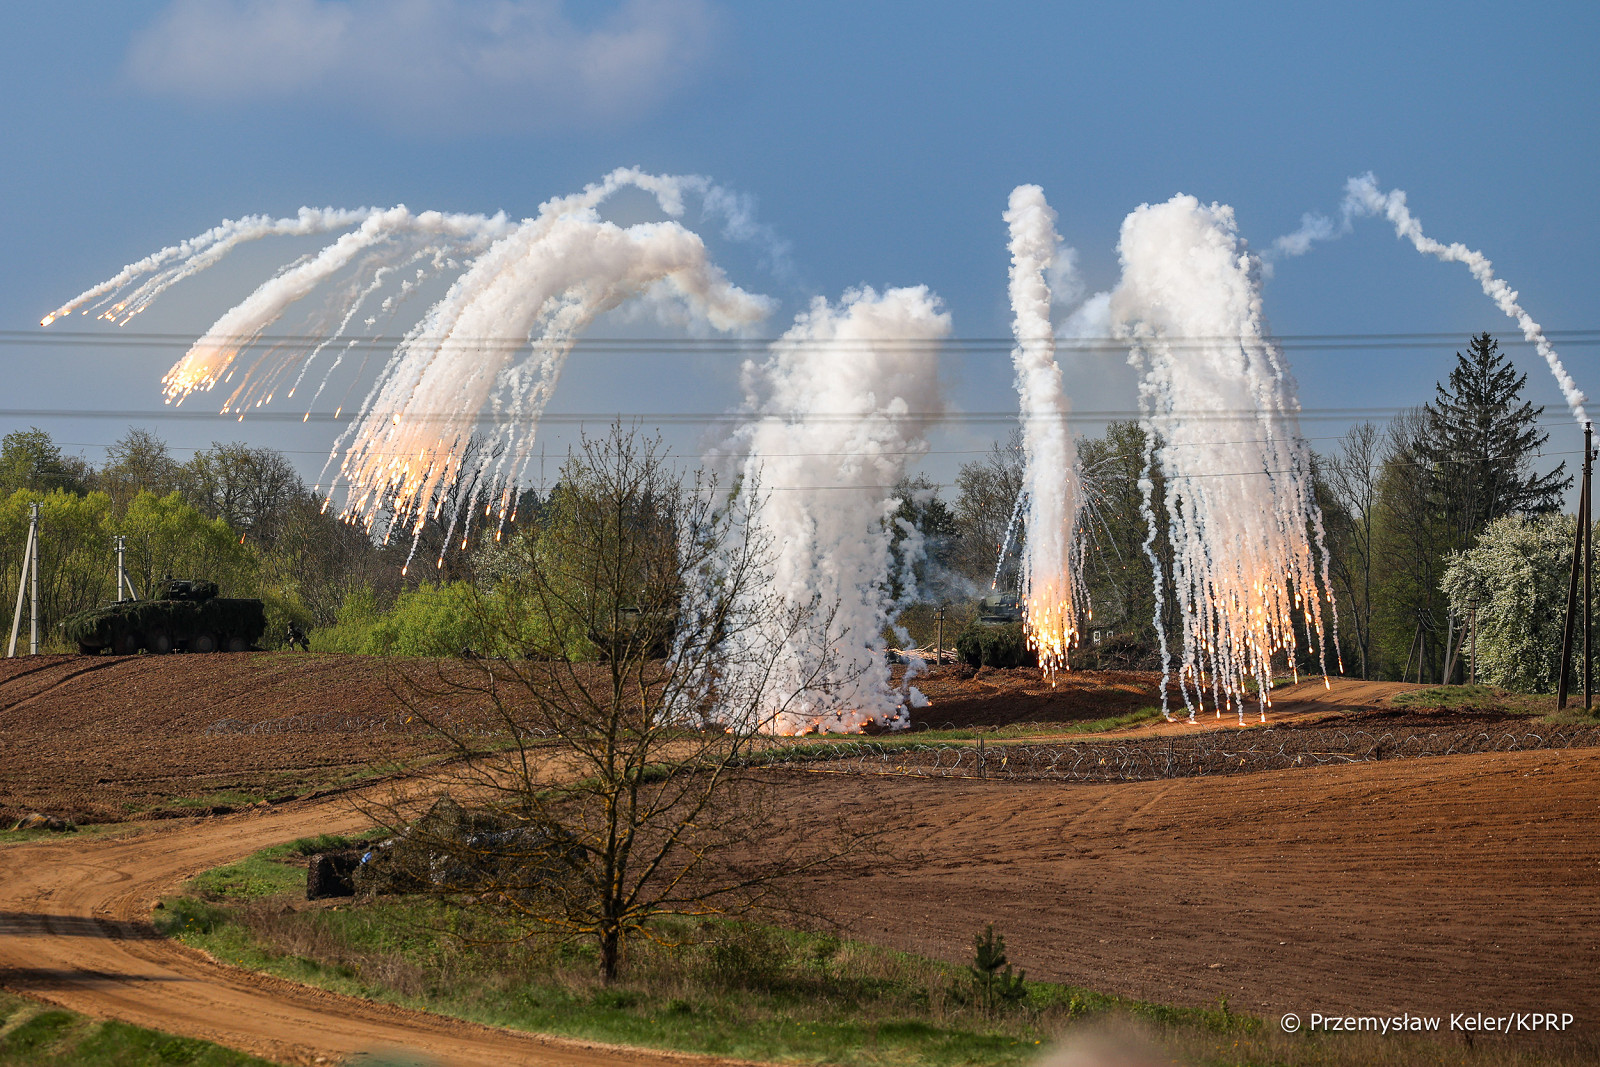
(1517,576)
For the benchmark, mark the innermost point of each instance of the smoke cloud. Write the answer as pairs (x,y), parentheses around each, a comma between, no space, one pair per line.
(1221,400)
(839,412)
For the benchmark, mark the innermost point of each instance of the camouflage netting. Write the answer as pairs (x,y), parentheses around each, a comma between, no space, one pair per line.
(331,874)
(453,850)
(179,619)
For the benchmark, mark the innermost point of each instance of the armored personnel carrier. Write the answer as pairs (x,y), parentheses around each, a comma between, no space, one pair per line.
(185,615)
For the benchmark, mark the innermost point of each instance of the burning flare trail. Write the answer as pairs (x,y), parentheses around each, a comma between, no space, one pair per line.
(1220,400)
(522,295)
(1364,197)
(1051,590)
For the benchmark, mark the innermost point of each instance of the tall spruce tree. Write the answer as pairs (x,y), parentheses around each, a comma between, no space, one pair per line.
(1480,440)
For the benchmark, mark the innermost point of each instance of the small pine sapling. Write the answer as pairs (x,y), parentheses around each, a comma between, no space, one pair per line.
(992,979)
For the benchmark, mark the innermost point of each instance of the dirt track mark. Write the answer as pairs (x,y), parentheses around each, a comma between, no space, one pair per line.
(89,668)
(74,931)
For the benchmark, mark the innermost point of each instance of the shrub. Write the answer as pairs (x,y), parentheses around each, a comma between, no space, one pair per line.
(353,625)
(1517,576)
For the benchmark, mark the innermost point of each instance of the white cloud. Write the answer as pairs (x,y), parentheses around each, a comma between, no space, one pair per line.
(431,65)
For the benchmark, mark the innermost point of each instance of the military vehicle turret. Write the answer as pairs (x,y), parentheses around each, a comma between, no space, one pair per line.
(1000,609)
(185,615)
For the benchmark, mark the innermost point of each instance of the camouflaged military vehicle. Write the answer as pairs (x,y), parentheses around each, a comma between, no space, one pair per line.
(1000,610)
(185,616)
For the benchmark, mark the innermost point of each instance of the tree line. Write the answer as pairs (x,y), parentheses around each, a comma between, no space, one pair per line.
(1402,505)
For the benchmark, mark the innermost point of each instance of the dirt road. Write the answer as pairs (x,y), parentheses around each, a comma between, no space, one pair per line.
(75,931)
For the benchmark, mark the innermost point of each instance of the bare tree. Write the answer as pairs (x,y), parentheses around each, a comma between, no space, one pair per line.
(616,779)
(1353,477)
(253,490)
(986,509)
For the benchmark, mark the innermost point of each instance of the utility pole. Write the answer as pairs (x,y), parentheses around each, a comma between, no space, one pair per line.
(29,559)
(938,647)
(123,581)
(1588,565)
(1580,541)
(33,610)
(1472,623)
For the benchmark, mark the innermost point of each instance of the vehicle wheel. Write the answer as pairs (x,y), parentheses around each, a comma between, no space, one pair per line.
(238,644)
(203,643)
(158,643)
(125,644)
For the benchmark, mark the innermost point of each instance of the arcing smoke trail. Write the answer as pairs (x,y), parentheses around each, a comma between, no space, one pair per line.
(838,412)
(1221,400)
(179,261)
(1050,476)
(547,281)
(536,283)
(1363,196)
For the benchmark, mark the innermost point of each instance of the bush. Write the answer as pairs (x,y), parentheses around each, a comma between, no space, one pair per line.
(431,620)
(1517,577)
(990,645)
(351,631)
(281,611)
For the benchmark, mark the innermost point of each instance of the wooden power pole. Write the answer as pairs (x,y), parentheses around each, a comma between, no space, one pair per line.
(1581,559)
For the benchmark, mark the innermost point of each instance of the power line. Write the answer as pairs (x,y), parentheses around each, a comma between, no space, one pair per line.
(1330,342)
(694,417)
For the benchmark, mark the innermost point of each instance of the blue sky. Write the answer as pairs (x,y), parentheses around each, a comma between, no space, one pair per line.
(879,140)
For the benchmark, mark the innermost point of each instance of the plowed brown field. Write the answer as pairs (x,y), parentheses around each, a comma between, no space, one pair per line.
(105,738)
(1448,884)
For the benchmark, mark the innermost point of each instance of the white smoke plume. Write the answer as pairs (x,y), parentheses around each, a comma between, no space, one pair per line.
(1050,478)
(524,293)
(1364,197)
(1221,400)
(176,262)
(839,411)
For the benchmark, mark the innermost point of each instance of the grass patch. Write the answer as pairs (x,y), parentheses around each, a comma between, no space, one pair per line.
(92,830)
(226,798)
(255,876)
(721,988)
(1027,729)
(1479,698)
(33,1034)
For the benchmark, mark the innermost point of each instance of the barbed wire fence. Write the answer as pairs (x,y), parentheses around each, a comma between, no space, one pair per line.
(1219,752)
(1213,753)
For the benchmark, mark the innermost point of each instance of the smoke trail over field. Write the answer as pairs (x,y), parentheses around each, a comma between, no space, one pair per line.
(1050,477)
(1363,197)
(840,411)
(1220,399)
(523,294)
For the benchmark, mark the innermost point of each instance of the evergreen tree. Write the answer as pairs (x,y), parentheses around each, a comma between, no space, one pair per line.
(1479,443)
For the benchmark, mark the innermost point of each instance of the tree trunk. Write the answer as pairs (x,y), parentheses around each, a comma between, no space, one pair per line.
(610,952)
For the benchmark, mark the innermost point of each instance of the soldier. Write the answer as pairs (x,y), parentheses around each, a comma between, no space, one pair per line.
(297,636)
